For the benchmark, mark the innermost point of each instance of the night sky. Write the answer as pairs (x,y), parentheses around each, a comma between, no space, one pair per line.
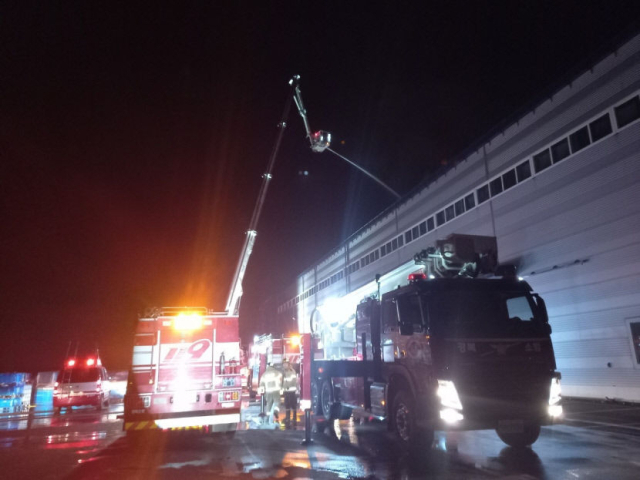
(133,141)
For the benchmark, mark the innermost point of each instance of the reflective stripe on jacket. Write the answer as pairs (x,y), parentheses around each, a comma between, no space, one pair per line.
(271,380)
(290,382)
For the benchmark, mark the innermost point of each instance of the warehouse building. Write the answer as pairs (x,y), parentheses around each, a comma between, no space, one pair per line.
(560,190)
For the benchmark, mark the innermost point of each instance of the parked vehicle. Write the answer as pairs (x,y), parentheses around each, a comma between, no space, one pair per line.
(82,382)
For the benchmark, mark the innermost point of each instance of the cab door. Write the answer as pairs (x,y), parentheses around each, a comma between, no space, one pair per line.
(390,330)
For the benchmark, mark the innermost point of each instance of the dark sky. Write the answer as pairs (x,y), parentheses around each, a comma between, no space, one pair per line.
(133,141)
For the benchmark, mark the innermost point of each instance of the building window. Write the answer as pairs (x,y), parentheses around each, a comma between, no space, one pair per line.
(628,112)
(459,207)
(376,256)
(542,160)
(496,186)
(449,213)
(634,325)
(579,139)
(415,231)
(483,194)
(407,236)
(383,250)
(394,244)
(423,227)
(600,128)
(560,150)
(469,201)
(509,179)
(430,224)
(440,218)
(523,170)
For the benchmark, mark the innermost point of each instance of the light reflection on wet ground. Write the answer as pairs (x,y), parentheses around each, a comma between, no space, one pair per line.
(65,419)
(97,448)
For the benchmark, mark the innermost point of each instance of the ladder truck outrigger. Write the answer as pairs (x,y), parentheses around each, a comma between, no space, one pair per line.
(186,369)
(464,345)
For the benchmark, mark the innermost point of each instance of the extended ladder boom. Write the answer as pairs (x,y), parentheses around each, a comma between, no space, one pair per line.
(235,294)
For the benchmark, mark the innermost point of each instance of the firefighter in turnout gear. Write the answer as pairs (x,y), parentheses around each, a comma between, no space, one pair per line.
(270,385)
(290,387)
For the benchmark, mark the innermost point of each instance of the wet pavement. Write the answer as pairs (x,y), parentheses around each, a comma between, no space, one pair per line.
(597,441)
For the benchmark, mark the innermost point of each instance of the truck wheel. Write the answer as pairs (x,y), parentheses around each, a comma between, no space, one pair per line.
(403,418)
(326,399)
(522,439)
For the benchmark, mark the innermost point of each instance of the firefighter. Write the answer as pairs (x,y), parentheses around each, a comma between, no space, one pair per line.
(290,387)
(270,386)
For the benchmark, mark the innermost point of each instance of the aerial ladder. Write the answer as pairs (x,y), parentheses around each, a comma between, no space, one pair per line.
(235,293)
(319,142)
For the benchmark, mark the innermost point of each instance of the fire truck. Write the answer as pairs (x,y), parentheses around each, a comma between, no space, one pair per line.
(267,349)
(187,366)
(185,371)
(464,344)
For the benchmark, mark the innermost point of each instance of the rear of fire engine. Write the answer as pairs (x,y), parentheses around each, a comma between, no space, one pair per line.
(447,351)
(185,372)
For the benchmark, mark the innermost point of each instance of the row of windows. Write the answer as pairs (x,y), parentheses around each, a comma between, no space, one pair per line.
(312,291)
(601,127)
(595,130)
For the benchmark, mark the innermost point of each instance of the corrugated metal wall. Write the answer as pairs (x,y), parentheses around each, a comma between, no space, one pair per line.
(573,228)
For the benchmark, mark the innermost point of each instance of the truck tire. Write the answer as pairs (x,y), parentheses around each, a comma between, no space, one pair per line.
(326,399)
(522,439)
(404,424)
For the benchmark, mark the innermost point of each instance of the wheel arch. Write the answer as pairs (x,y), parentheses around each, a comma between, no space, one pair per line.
(398,380)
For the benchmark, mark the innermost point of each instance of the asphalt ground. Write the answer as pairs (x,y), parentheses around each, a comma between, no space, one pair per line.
(596,440)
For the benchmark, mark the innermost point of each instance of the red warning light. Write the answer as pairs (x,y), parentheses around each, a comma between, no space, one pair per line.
(90,361)
(414,277)
(71,363)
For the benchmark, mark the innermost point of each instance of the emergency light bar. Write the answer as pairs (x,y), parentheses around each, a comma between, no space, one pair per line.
(188,321)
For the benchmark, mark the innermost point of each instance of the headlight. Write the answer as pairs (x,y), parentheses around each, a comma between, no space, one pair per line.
(555,397)
(448,395)
(555,392)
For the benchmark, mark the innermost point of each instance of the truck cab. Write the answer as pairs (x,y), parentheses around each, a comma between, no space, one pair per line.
(447,354)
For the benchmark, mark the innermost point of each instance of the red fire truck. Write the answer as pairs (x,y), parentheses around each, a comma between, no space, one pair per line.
(185,371)
(187,365)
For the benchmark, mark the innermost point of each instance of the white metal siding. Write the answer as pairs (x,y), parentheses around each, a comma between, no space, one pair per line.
(572,229)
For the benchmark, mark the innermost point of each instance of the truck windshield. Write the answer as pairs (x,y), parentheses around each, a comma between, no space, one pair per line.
(484,314)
